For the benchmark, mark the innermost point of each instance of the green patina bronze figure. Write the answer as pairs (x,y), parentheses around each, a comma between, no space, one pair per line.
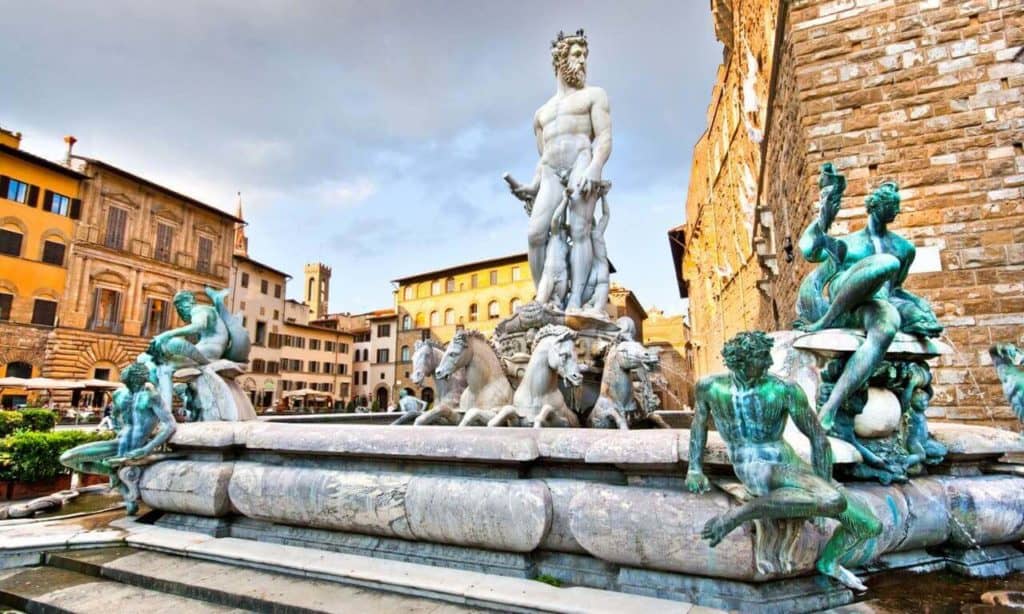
(750,408)
(1009,362)
(143,423)
(859,284)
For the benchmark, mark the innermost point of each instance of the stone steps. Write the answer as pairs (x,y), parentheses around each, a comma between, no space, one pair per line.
(208,586)
(51,589)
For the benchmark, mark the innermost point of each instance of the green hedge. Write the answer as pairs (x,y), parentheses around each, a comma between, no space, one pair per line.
(30,456)
(27,419)
(39,419)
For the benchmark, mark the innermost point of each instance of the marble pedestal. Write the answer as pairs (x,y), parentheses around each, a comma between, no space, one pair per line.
(606,509)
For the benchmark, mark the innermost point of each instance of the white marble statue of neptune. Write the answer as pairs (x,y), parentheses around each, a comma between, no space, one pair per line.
(574,139)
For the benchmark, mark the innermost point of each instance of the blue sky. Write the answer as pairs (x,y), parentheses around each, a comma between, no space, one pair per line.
(369,135)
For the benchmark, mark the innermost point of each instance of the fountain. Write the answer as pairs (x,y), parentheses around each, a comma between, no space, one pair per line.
(656,512)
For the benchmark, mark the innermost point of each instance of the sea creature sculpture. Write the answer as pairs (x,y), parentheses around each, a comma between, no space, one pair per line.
(538,401)
(1009,362)
(486,383)
(617,406)
(750,408)
(859,284)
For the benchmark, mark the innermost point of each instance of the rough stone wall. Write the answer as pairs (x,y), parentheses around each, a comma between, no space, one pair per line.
(926,93)
(724,244)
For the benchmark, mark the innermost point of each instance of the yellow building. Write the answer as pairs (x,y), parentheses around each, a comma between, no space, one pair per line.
(475,295)
(39,203)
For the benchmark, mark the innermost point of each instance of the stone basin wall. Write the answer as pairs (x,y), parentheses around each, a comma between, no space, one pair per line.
(611,502)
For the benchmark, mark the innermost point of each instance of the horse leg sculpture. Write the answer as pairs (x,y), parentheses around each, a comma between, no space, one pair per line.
(477,417)
(503,417)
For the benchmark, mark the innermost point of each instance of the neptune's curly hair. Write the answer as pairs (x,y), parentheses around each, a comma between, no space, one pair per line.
(746,347)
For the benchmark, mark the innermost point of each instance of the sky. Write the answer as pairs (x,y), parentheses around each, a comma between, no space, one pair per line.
(371,136)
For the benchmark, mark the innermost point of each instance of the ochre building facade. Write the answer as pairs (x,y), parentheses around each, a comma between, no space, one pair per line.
(39,206)
(925,93)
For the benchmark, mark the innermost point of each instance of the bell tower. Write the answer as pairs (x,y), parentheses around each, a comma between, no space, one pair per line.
(317,289)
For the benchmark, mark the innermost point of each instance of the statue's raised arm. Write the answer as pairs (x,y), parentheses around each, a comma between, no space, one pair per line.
(815,244)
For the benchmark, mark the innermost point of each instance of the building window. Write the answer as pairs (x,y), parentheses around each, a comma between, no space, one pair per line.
(261,333)
(410,293)
(342,368)
(258,365)
(435,318)
(516,273)
(449,316)
(19,369)
(472,312)
(473,280)
(277,290)
(314,366)
(383,356)
(264,286)
(514,306)
(44,312)
(157,314)
(277,315)
(10,242)
(314,344)
(17,191)
(492,310)
(343,348)
(449,285)
(57,203)
(245,280)
(435,288)
(117,221)
(494,278)
(204,263)
(53,253)
(5,306)
(164,238)
(273,367)
(405,353)
(106,310)
(407,323)
(383,330)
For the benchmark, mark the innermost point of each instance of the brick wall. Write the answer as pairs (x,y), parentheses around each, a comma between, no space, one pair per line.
(928,94)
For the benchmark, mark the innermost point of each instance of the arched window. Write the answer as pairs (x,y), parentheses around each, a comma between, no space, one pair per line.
(449,316)
(11,239)
(514,306)
(407,322)
(435,318)
(421,320)
(405,354)
(19,369)
(472,312)
(493,311)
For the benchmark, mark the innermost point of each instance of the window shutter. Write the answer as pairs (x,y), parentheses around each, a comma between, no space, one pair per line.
(76,208)
(116,311)
(149,317)
(33,195)
(47,201)
(5,182)
(95,306)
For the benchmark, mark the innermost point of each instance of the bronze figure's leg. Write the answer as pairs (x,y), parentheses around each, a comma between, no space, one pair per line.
(857,524)
(881,321)
(857,286)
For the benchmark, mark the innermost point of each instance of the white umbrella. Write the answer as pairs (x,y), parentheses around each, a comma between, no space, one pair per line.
(307,392)
(100,383)
(13,382)
(46,383)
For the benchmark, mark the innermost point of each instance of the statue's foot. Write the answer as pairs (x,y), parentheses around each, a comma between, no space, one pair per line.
(843,575)
(715,530)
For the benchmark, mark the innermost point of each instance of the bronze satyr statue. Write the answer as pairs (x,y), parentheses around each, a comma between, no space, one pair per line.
(750,408)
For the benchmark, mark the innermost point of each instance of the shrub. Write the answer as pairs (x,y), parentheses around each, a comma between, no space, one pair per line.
(39,419)
(10,421)
(31,456)
(375,406)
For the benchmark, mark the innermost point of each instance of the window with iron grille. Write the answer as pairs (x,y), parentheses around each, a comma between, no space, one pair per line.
(117,221)
(164,239)
(204,263)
